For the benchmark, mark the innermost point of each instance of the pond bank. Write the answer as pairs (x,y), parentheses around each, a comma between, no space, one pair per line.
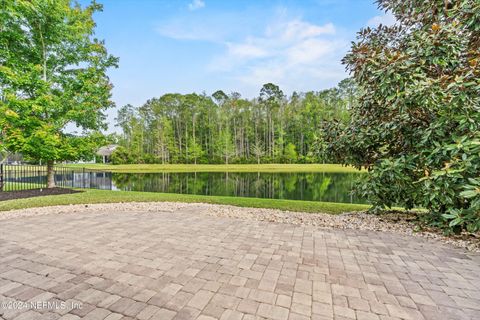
(106,196)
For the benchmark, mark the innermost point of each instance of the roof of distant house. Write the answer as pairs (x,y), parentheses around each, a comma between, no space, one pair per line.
(107,150)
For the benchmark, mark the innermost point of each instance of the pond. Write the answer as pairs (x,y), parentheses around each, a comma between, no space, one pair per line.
(318,186)
(311,186)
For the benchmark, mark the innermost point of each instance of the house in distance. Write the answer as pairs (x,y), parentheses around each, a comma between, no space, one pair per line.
(106,152)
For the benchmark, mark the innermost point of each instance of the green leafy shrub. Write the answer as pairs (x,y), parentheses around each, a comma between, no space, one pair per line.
(416,127)
(121,156)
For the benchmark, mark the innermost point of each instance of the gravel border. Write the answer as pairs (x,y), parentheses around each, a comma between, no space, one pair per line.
(399,223)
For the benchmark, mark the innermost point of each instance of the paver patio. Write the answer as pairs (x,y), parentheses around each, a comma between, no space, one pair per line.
(188,265)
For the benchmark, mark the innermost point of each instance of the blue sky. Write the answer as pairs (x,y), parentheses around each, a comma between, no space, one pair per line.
(234,45)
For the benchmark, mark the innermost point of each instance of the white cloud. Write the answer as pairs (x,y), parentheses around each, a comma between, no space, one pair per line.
(295,54)
(387,19)
(205,26)
(310,50)
(291,52)
(196,4)
(246,50)
(298,29)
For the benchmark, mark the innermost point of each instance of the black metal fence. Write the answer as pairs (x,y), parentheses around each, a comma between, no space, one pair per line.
(25,177)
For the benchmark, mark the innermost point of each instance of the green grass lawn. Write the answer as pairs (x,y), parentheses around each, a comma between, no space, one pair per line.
(142,168)
(90,196)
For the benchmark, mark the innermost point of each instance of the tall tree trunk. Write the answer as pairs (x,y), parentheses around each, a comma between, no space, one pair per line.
(194,142)
(187,160)
(50,174)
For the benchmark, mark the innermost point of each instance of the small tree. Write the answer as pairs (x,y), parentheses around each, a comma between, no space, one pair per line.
(195,151)
(121,156)
(52,75)
(291,153)
(258,150)
(225,146)
(416,126)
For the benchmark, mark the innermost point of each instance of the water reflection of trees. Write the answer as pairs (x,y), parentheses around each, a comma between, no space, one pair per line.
(333,187)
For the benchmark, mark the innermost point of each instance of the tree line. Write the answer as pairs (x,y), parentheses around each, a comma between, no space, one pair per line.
(226,128)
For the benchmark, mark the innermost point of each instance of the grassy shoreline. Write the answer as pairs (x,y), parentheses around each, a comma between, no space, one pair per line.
(144,168)
(91,196)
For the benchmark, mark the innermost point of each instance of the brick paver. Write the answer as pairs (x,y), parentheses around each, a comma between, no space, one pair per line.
(187,265)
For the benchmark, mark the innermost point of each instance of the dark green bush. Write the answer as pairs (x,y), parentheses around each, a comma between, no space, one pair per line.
(121,156)
(416,127)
